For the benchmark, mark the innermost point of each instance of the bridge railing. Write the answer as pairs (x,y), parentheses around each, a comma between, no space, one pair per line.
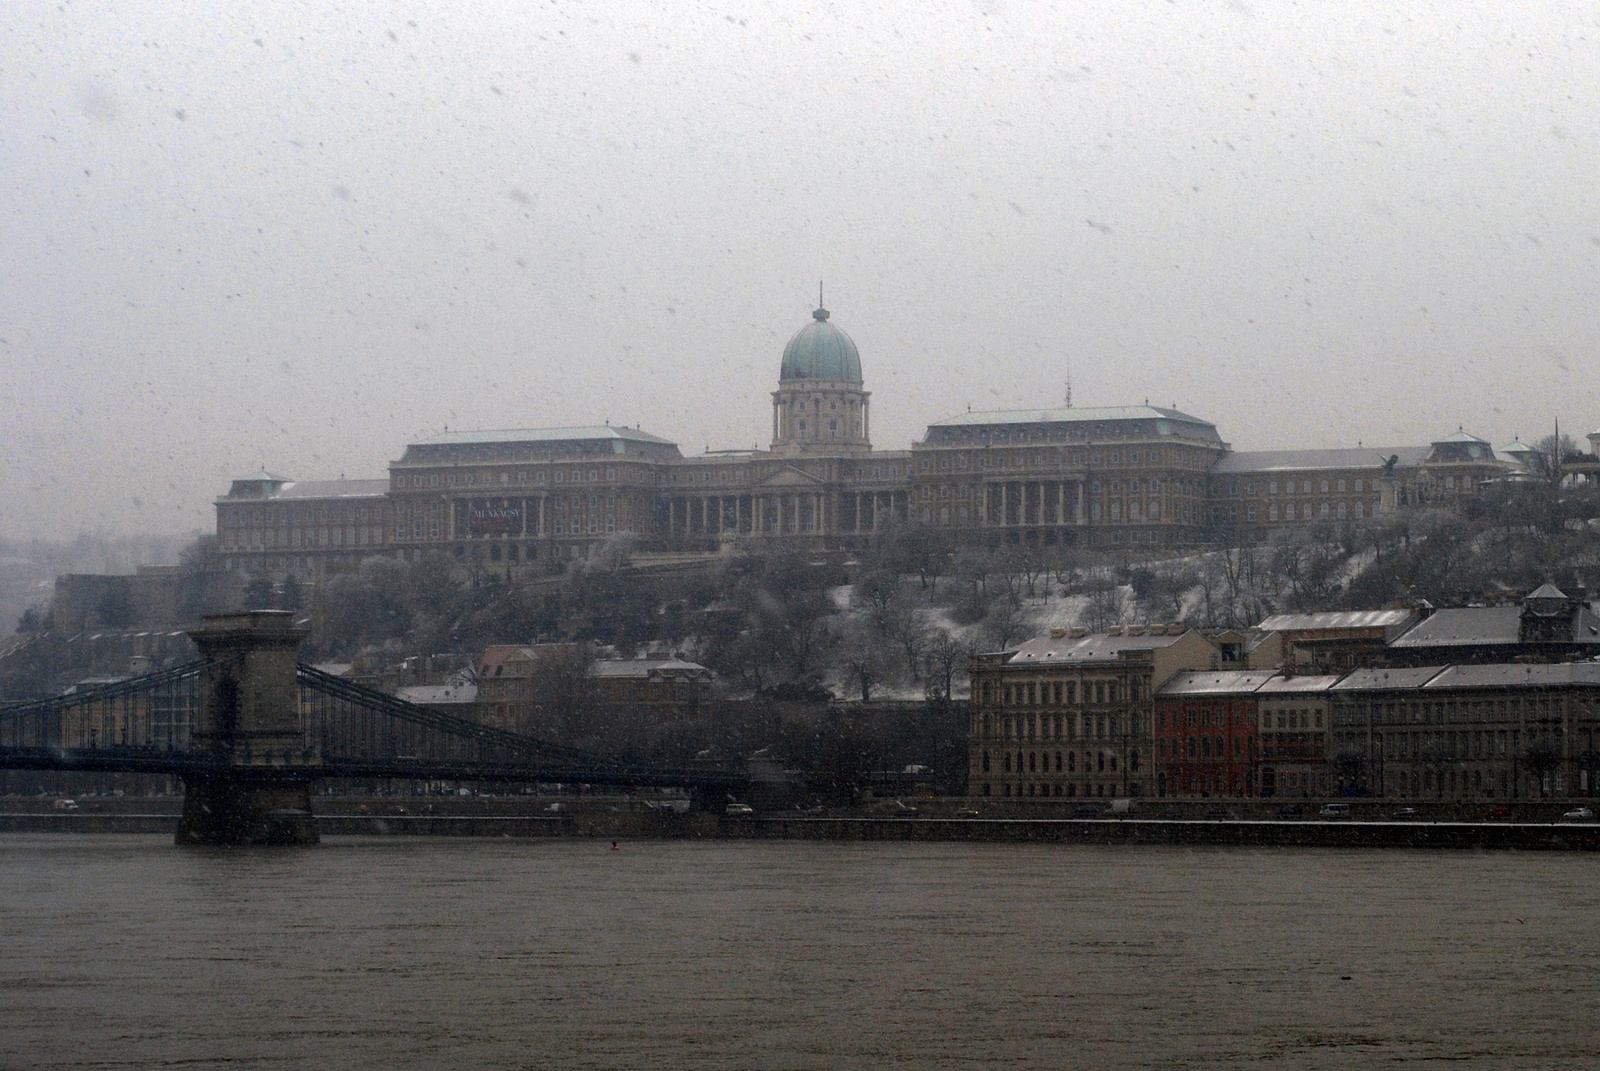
(358,731)
(153,713)
(146,724)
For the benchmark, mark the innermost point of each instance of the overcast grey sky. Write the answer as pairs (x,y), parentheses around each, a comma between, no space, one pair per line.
(300,235)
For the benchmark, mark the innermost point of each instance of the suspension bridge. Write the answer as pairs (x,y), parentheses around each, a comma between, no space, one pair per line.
(250,729)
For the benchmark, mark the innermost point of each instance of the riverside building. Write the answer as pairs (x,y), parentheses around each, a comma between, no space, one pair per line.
(1491,731)
(1130,476)
(1069,715)
(1207,734)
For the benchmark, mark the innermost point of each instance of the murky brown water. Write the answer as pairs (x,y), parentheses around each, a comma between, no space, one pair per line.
(126,952)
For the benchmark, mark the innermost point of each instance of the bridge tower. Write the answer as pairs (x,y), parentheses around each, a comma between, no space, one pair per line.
(251,779)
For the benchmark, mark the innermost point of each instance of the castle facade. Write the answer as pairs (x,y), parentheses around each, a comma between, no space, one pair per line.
(1136,476)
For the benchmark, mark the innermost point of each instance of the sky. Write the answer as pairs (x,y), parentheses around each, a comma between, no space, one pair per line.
(301,235)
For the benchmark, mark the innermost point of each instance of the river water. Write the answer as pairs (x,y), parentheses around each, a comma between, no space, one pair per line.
(125,952)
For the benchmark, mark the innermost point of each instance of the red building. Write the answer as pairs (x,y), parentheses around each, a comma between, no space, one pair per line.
(1207,733)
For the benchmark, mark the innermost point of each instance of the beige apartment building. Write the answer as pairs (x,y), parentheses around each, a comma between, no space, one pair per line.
(1069,715)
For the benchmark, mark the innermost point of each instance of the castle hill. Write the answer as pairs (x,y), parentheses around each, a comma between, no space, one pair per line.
(1077,614)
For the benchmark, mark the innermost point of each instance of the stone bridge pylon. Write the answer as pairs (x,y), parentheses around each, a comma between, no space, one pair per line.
(254,786)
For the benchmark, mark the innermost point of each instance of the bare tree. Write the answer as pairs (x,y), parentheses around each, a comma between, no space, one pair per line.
(1005,623)
(1541,758)
(900,624)
(865,655)
(564,697)
(944,660)
(1105,605)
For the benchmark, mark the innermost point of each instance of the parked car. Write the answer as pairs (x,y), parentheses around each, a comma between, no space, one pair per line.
(1404,814)
(66,805)
(1579,814)
(1334,811)
(738,810)
(1086,810)
(1289,810)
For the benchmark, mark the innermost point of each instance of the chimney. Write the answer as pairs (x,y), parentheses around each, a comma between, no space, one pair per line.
(1058,633)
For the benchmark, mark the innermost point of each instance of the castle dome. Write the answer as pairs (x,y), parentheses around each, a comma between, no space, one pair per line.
(820,350)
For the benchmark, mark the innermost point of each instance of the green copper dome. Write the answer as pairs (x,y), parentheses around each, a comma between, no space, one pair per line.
(820,350)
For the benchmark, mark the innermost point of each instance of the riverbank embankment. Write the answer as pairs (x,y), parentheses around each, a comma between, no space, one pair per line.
(933,820)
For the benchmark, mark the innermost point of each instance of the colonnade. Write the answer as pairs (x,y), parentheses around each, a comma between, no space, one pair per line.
(1033,503)
(785,513)
(771,514)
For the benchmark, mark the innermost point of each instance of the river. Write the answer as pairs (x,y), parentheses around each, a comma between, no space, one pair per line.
(387,953)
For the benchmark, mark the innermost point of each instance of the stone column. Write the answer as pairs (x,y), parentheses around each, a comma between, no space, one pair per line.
(251,782)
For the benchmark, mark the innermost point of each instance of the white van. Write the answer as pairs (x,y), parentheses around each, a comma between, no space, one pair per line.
(1334,810)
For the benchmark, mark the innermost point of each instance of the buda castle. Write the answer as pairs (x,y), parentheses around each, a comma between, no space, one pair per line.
(1136,476)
